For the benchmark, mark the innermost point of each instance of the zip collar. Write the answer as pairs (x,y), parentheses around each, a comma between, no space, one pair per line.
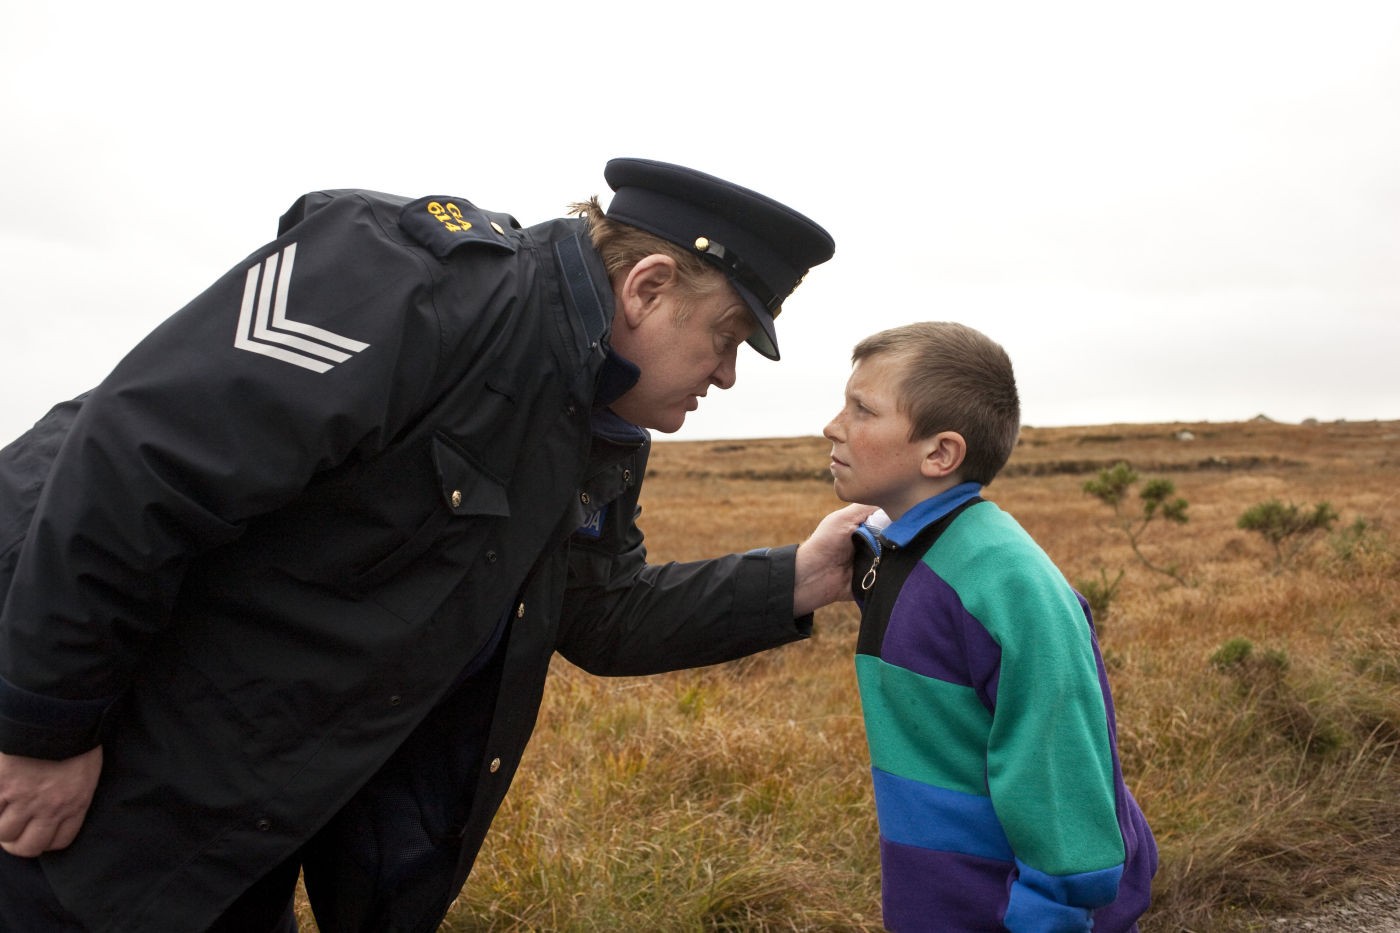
(878,528)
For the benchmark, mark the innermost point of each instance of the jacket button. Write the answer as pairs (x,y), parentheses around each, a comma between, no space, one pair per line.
(395,700)
(627,477)
(456,498)
(583,497)
(497,227)
(520,611)
(495,765)
(490,557)
(263,824)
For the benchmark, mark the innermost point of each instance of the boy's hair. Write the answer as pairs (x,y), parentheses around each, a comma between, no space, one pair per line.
(954,378)
(622,246)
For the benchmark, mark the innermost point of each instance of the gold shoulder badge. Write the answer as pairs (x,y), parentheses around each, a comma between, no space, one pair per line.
(449,215)
(444,224)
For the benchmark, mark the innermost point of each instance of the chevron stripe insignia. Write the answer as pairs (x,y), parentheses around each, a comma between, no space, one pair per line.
(263,325)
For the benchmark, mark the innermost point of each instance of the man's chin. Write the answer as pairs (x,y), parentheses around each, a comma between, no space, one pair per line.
(670,427)
(670,420)
(668,423)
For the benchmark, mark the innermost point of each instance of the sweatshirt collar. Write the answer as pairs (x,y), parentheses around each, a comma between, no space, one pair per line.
(918,518)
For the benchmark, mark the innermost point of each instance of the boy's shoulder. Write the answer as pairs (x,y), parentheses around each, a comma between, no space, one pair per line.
(984,541)
(984,524)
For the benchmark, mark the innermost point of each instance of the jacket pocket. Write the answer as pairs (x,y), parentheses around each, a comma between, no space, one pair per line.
(463,490)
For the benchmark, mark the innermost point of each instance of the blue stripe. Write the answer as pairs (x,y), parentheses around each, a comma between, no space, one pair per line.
(1059,902)
(916,814)
(1086,887)
(927,512)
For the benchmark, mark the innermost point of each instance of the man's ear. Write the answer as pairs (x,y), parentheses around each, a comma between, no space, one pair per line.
(944,455)
(645,284)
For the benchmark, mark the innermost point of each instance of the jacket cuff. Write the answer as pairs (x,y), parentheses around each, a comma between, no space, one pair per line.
(773,571)
(37,726)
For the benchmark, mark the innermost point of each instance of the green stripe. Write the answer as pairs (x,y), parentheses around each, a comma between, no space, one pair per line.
(1049,762)
(923,729)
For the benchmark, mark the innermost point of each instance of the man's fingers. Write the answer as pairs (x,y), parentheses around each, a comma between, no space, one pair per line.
(43,803)
(33,841)
(66,832)
(38,836)
(13,822)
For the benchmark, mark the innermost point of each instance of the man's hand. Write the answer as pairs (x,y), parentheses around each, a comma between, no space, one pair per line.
(824,560)
(43,803)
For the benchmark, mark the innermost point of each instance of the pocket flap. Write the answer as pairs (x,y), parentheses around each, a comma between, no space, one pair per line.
(466,488)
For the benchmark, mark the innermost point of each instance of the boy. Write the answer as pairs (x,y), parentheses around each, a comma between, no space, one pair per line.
(1000,799)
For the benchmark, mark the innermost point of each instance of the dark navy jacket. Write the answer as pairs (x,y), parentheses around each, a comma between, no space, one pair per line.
(265,548)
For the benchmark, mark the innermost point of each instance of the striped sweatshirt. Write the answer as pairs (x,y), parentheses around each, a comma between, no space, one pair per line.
(993,747)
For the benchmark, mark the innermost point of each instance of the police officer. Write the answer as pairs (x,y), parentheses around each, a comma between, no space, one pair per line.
(281,593)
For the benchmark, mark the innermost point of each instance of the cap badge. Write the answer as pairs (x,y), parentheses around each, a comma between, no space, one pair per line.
(729,261)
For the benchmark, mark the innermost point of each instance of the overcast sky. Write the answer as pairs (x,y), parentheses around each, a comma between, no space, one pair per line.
(1165,212)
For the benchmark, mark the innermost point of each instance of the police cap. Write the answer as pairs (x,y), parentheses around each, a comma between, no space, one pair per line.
(765,248)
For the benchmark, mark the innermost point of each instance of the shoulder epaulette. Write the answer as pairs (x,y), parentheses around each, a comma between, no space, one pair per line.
(443,224)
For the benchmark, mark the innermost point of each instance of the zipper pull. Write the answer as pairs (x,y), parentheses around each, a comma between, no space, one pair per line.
(868,580)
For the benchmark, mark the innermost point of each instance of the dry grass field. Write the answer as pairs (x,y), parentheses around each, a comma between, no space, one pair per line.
(738,797)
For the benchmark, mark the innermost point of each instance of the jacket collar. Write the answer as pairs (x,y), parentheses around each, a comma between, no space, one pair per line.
(587,291)
(589,295)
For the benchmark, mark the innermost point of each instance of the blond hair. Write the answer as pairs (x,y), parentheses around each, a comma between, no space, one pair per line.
(954,378)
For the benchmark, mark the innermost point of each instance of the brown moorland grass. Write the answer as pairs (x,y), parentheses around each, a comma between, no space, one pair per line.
(1259,711)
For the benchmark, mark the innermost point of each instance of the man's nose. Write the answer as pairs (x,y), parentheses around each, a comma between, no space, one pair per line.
(726,373)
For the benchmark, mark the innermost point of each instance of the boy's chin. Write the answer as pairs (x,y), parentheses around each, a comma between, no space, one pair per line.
(845,496)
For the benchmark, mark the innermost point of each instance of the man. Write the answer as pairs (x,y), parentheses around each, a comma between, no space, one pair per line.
(281,593)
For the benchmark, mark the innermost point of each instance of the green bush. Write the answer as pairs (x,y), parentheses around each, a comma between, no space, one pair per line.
(1100,594)
(1112,485)
(1287,528)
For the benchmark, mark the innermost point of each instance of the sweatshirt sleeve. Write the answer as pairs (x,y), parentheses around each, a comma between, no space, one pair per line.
(1050,770)
(315,349)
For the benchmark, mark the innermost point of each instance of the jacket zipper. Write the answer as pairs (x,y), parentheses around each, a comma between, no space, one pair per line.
(868,580)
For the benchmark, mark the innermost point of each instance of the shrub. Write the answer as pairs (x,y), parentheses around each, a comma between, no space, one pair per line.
(1362,547)
(1099,594)
(1112,485)
(1234,653)
(1287,528)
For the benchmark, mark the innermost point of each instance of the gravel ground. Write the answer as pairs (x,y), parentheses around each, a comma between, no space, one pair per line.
(1373,911)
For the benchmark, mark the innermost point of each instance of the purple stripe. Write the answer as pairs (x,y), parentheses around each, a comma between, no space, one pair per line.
(930,633)
(927,890)
(1140,865)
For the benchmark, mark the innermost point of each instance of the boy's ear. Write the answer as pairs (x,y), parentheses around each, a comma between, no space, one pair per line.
(641,289)
(943,455)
